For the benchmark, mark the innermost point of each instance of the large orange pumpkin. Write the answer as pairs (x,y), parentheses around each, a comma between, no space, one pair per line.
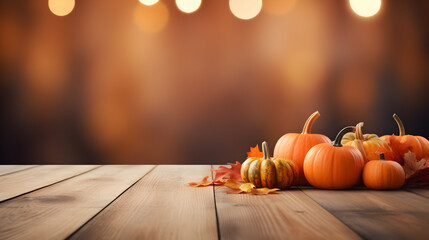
(383,174)
(294,146)
(370,145)
(333,166)
(403,143)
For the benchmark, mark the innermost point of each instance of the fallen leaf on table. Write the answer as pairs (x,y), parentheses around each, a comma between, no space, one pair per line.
(239,187)
(202,183)
(264,191)
(233,184)
(247,187)
(412,165)
(222,174)
(254,152)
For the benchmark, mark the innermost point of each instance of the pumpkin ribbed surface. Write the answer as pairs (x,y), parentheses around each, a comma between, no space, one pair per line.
(269,172)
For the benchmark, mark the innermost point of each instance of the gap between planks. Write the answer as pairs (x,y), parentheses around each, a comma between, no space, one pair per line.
(71,235)
(22,182)
(159,206)
(377,214)
(287,214)
(57,211)
(215,205)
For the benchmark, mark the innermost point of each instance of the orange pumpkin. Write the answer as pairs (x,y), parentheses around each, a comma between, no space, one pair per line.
(403,143)
(294,146)
(334,166)
(370,145)
(383,174)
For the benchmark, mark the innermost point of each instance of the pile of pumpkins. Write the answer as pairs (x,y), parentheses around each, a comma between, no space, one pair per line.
(353,157)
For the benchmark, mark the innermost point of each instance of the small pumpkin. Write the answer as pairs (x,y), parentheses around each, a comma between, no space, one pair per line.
(383,174)
(294,146)
(403,143)
(269,172)
(333,166)
(370,145)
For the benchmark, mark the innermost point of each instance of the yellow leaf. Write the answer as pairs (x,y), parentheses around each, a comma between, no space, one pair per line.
(247,187)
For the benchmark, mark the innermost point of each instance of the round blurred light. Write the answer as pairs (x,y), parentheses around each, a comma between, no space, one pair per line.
(188,6)
(151,19)
(245,9)
(148,2)
(61,7)
(278,7)
(365,8)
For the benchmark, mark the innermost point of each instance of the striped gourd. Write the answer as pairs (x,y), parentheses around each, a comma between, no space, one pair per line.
(269,172)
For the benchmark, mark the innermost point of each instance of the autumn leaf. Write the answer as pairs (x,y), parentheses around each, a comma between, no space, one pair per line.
(412,165)
(233,184)
(254,152)
(239,187)
(398,149)
(264,191)
(202,183)
(222,174)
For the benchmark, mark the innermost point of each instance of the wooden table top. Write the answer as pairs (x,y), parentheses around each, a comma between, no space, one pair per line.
(153,202)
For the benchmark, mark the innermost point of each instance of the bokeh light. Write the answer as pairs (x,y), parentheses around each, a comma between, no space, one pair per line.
(61,7)
(148,2)
(188,6)
(278,7)
(245,9)
(365,8)
(151,19)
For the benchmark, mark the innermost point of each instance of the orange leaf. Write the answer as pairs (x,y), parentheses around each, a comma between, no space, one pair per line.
(223,173)
(254,152)
(202,183)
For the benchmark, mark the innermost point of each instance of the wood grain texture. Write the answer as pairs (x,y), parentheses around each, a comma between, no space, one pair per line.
(58,210)
(7,169)
(420,191)
(377,214)
(288,215)
(160,206)
(21,182)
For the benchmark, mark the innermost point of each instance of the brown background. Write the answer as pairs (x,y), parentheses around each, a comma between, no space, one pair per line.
(92,87)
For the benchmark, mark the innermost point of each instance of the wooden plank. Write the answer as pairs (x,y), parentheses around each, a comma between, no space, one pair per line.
(21,182)
(290,214)
(7,169)
(57,211)
(420,191)
(377,214)
(159,206)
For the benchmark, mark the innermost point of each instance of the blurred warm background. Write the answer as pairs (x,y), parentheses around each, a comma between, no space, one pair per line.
(189,82)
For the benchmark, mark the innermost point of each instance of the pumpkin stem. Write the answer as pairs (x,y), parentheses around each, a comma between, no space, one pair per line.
(337,141)
(309,123)
(265,152)
(382,157)
(400,125)
(359,134)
